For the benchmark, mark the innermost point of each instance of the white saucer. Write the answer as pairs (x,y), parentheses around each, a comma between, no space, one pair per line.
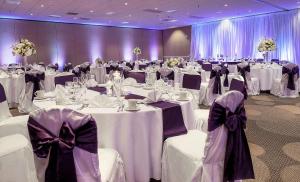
(138,85)
(132,109)
(40,98)
(183,99)
(148,88)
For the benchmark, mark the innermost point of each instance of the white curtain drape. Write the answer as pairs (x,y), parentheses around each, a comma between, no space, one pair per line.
(240,37)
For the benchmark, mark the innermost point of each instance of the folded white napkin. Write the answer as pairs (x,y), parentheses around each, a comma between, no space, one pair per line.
(103,101)
(3,74)
(129,81)
(159,83)
(61,95)
(91,83)
(154,96)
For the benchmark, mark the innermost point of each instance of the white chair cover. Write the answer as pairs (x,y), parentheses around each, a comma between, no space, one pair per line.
(252,82)
(196,156)
(16,160)
(4,109)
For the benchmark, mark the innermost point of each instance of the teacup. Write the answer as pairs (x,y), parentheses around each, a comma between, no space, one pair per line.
(40,93)
(183,95)
(132,103)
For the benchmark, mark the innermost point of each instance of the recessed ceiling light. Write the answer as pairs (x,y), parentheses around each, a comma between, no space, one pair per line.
(171,11)
(129,15)
(42,5)
(75,18)
(31,14)
(55,16)
(91,11)
(126,3)
(156,8)
(174,20)
(125,22)
(225,5)
(110,13)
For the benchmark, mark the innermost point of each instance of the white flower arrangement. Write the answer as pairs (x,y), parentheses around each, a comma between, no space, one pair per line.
(23,48)
(267,45)
(172,62)
(137,51)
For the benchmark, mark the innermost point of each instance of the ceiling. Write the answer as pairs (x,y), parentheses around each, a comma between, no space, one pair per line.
(150,14)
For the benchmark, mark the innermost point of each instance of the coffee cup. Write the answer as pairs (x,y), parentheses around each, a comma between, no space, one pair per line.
(183,95)
(40,93)
(132,104)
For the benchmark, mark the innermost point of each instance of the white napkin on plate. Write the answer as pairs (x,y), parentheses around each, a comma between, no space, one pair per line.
(103,101)
(159,83)
(154,96)
(92,83)
(61,95)
(129,81)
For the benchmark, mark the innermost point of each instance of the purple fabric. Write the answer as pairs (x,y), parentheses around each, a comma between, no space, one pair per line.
(173,124)
(243,71)
(225,72)
(217,84)
(101,90)
(61,165)
(53,66)
(35,78)
(291,73)
(238,163)
(169,76)
(61,80)
(68,67)
(191,81)
(275,61)
(130,65)
(207,67)
(112,68)
(143,66)
(239,85)
(84,68)
(2,94)
(140,77)
(133,96)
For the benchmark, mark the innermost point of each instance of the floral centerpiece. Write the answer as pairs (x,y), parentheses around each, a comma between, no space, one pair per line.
(266,46)
(24,48)
(137,51)
(172,62)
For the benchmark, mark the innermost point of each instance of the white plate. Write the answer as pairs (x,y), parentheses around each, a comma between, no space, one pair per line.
(40,98)
(183,99)
(148,88)
(132,109)
(138,85)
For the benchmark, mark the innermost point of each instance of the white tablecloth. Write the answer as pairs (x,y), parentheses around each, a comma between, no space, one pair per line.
(266,75)
(137,136)
(13,86)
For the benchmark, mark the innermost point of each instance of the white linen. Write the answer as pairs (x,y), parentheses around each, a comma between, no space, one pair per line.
(4,111)
(49,81)
(100,73)
(137,136)
(16,159)
(13,85)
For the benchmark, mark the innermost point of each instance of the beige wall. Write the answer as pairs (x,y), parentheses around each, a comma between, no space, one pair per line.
(177,41)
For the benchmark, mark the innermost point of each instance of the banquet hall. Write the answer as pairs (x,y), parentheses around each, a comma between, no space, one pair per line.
(149,90)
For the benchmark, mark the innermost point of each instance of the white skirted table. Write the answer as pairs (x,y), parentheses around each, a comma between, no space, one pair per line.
(137,136)
(13,85)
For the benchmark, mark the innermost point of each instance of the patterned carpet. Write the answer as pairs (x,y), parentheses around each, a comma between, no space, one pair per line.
(273,132)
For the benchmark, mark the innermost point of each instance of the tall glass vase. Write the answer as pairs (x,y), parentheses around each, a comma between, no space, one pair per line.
(25,62)
(266,56)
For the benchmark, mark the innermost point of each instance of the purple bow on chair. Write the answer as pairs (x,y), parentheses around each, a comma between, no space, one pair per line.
(35,78)
(2,94)
(217,84)
(237,163)
(61,80)
(206,67)
(225,72)
(61,166)
(291,74)
(243,71)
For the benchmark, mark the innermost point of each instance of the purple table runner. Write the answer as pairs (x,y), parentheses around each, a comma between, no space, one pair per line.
(173,124)
(101,90)
(133,96)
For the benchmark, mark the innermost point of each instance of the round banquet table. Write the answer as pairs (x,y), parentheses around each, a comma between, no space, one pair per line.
(13,85)
(137,136)
(266,75)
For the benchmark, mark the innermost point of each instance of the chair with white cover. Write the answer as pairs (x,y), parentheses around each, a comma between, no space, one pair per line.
(252,83)
(16,159)
(288,85)
(34,82)
(64,77)
(66,148)
(237,83)
(221,155)
(4,109)
(215,87)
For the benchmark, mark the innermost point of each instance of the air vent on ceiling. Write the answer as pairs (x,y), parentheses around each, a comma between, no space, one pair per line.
(83,18)
(55,16)
(169,20)
(152,11)
(13,1)
(72,13)
(196,17)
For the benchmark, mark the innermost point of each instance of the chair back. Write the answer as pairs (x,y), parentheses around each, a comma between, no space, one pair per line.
(4,109)
(65,145)
(62,79)
(140,77)
(226,144)
(290,75)
(215,80)
(238,84)
(207,66)
(191,81)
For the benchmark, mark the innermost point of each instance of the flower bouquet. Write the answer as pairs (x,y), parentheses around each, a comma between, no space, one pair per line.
(137,51)
(172,62)
(266,46)
(24,48)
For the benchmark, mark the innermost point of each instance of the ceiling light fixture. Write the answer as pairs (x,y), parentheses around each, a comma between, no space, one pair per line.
(126,3)
(125,22)
(156,8)
(42,5)
(110,13)
(55,16)
(91,11)
(171,11)
(31,14)
(225,5)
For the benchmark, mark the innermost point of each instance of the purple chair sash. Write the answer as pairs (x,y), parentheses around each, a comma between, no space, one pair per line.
(53,66)
(170,76)
(173,124)
(275,61)
(191,81)
(61,165)
(239,85)
(225,72)
(68,67)
(84,68)
(238,163)
(143,66)
(101,90)
(291,74)
(243,71)
(61,80)
(207,67)
(139,76)
(133,96)
(217,85)
(2,94)
(131,66)
(35,79)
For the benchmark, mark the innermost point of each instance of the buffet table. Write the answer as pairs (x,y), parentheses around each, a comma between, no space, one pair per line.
(137,136)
